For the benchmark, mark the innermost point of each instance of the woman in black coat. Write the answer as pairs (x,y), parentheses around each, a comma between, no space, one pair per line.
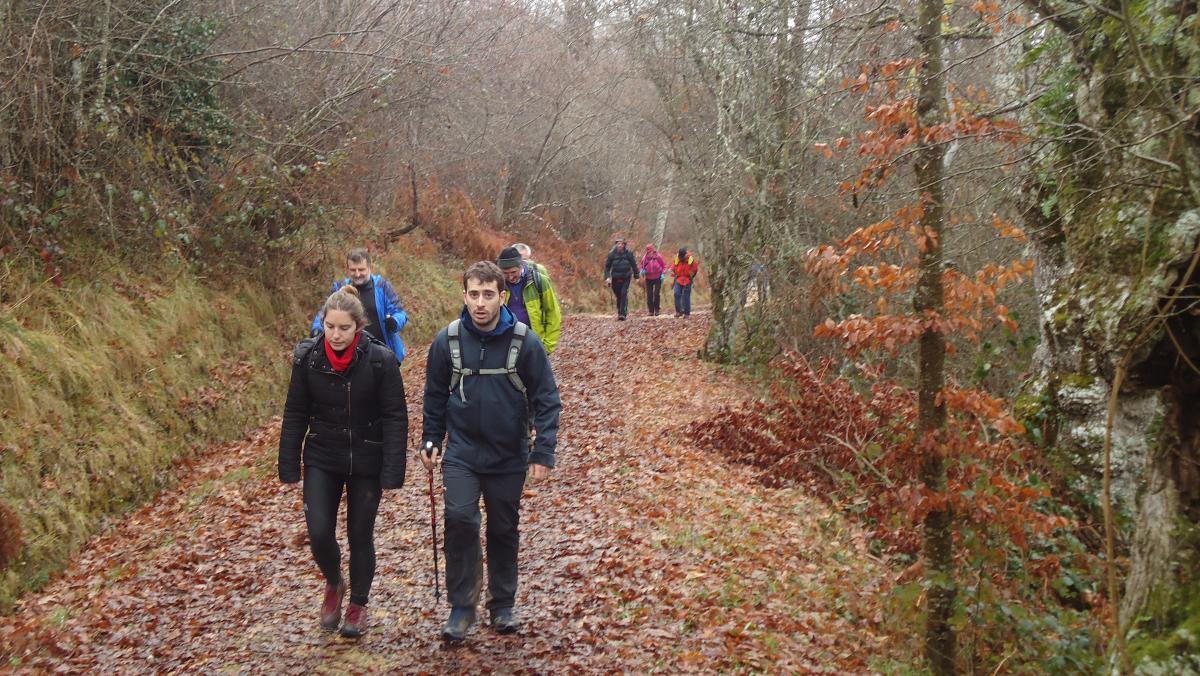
(346,418)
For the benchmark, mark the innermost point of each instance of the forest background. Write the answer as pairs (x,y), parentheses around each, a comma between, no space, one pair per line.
(1010,185)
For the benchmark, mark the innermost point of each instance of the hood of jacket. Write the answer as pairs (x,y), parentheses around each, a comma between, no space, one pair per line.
(507,321)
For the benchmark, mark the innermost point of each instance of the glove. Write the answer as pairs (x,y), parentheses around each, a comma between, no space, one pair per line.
(390,323)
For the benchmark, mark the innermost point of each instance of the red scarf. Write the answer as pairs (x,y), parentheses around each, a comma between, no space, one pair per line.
(340,364)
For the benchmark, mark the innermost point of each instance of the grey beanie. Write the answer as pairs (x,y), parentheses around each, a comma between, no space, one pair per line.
(509,258)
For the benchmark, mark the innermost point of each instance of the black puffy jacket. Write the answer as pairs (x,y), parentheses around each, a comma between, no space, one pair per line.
(620,265)
(353,423)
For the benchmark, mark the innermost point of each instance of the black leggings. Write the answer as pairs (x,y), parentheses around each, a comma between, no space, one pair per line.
(653,289)
(322,495)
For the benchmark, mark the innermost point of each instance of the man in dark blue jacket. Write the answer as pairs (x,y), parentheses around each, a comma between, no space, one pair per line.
(620,267)
(387,317)
(487,379)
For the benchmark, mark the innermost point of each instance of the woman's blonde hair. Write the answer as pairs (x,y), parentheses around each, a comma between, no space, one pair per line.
(346,300)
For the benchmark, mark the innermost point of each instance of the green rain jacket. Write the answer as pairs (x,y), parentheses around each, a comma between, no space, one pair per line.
(545,315)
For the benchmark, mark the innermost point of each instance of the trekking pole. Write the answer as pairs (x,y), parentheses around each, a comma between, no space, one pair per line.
(437,590)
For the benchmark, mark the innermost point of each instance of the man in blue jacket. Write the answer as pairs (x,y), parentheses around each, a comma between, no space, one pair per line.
(487,378)
(379,299)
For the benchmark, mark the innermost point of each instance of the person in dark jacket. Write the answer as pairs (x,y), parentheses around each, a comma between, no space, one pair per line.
(478,408)
(346,421)
(620,268)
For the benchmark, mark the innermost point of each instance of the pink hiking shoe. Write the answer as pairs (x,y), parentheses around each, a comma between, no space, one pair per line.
(356,621)
(331,607)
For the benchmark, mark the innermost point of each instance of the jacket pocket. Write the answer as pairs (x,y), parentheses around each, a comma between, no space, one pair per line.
(371,447)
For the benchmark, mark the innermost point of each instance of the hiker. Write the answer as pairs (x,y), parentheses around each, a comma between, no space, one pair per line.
(526,252)
(684,270)
(379,300)
(346,421)
(653,266)
(531,296)
(487,378)
(619,268)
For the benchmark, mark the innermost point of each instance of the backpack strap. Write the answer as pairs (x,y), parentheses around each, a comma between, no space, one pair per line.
(458,374)
(305,346)
(536,278)
(514,351)
(539,284)
(456,365)
(375,356)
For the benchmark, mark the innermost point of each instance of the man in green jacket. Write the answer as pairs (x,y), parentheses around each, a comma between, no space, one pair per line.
(531,296)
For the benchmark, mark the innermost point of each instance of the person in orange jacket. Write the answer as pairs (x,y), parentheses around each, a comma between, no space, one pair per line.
(684,269)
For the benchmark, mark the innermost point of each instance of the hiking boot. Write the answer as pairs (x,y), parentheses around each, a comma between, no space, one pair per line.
(503,621)
(356,621)
(456,627)
(620,318)
(331,607)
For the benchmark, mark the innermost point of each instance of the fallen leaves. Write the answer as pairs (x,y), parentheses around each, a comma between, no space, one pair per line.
(641,553)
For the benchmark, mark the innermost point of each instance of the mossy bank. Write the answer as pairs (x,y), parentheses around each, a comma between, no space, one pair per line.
(106,384)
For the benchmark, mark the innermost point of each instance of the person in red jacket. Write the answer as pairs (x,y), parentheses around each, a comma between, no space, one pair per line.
(684,270)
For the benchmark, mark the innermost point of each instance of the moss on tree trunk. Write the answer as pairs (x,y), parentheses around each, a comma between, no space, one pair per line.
(1117,285)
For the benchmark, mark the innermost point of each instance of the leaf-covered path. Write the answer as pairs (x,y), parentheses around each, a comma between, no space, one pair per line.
(640,554)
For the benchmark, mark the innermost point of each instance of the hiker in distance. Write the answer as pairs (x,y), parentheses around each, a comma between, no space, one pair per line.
(653,267)
(486,379)
(379,300)
(531,296)
(620,268)
(345,422)
(684,269)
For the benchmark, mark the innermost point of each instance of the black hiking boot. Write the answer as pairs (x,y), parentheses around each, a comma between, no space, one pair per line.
(504,622)
(456,627)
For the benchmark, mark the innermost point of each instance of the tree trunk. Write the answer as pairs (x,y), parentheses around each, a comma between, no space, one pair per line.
(1120,302)
(929,301)
(502,195)
(664,209)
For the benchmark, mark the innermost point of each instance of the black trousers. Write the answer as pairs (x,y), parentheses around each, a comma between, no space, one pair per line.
(620,287)
(322,495)
(502,499)
(653,289)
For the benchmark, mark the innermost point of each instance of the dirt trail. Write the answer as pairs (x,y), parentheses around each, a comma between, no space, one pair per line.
(641,554)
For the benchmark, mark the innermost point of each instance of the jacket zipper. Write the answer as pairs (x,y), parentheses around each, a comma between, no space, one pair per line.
(349,427)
